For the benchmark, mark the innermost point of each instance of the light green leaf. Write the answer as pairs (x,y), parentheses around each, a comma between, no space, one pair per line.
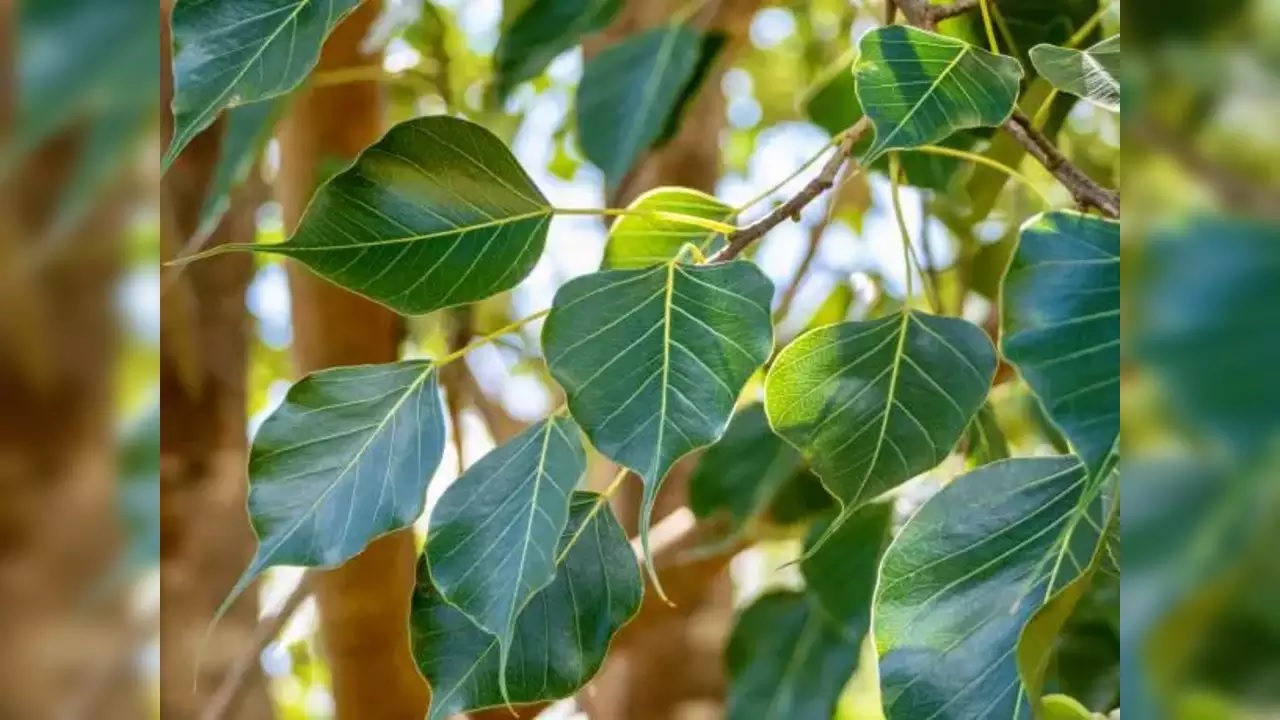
(920,87)
(540,32)
(872,404)
(636,242)
(786,659)
(1064,707)
(246,131)
(561,636)
(345,459)
(1093,74)
(437,213)
(237,52)
(841,575)
(494,533)
(653,360)
(1061,315)
(744,471)
(633,92)
(965,575)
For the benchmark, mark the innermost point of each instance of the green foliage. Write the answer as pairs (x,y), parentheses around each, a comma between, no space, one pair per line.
(637,241)
(246,132)
(542,30)
(743,473)
(1093,74)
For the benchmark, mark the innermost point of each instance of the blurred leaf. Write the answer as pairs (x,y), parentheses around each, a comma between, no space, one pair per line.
(800,498)
(561,636)
(539,31)
(245,133)
(1029,23)
(1093,74)
(1063,707)
(842,574)
(834,309)
(984,440)
(139,488)
(744,470)
(637,242)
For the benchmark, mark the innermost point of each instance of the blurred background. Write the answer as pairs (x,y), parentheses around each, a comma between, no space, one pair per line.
(128,390)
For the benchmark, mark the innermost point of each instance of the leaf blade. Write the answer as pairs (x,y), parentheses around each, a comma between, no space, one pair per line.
(1092,74)
(636,241)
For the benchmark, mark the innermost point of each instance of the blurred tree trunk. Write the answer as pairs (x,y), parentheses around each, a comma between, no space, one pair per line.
(364,603)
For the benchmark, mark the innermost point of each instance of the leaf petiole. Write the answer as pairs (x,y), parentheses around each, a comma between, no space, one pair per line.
(701,222)
(486,339)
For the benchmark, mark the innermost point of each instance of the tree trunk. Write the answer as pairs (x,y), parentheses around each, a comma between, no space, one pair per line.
(363,604)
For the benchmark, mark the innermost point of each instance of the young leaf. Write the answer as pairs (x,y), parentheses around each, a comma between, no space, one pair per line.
(966,573)
(841,575)
(919,87)
(786,659)
(236,52)
(637,242)
(653,360)
(744,471)
(1061,315)
(437,213)
(246,131)
(1093,74)
(872,404)
(631,93)
(561,636)
(542,31)
(495,531)
(345,458)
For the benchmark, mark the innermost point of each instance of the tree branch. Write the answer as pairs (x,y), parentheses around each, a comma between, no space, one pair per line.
(924,14)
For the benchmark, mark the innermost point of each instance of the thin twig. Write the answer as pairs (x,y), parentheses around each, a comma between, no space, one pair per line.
(1086,192)
(924,14)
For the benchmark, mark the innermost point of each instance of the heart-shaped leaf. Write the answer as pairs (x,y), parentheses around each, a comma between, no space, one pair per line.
(653,360)
(919,87)
(437,213)
(542,31)
(633,92)
(1061,315)
(964,576)
(345,459)
(637,241)
(561,636)
(237,52)
(495,531)
(1093,74)
(872,404)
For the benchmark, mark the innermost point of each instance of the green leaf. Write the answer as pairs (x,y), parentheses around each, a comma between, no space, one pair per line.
(1028,23)
(636,242)
(653,360)
(985,440)
(841,575)
(561,636)
(495,531)
(1061,320)
(1093,74)
(920,87)
(245,133)
(964,576)
(237,52)
(872,404)
(345,459)
(1064,707)
(540,32)
(139,488)
(787,660)
(800,499)
(744,471)
(437,213)
(631,94)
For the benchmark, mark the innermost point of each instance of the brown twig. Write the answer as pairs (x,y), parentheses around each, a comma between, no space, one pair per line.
(924,14)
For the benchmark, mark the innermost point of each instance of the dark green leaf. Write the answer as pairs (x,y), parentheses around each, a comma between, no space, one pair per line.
(495,531)
(985,440)
(246,131)
(540,32)
(872,404)
(237,52)
(631,92)
(653,360)
(965,575)
(1061,317)
(561,636)
(841,575)
(920,87)
(436,213)
(744,471)
(801,498)
(345,459)
(1093,74)
(636,242)
(787,660)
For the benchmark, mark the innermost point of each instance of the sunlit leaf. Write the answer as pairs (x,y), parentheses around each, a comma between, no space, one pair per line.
(1061,315)
(237,52)
(1063,707)
(636,242)
(965,575)
(495,531)
(541,31)
(1093,74)
(561,636)
(653,360)
(920,87)
(246,131)
(744,471)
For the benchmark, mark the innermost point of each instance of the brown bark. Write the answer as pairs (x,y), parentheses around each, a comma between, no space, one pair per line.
(364,605)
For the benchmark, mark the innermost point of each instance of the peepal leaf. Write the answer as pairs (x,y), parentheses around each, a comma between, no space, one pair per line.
(965,575)
(437,213)
(636,242)
(345,459)
(542,31)
(560,638)
(1093,74)
(495,531)
(841,575)
(1061,314)
(236,52)
(632,92)
(744,470)
(919,87)
(872,404)
(653,360)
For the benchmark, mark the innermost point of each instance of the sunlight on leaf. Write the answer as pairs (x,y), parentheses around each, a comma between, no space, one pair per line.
(1093,74)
